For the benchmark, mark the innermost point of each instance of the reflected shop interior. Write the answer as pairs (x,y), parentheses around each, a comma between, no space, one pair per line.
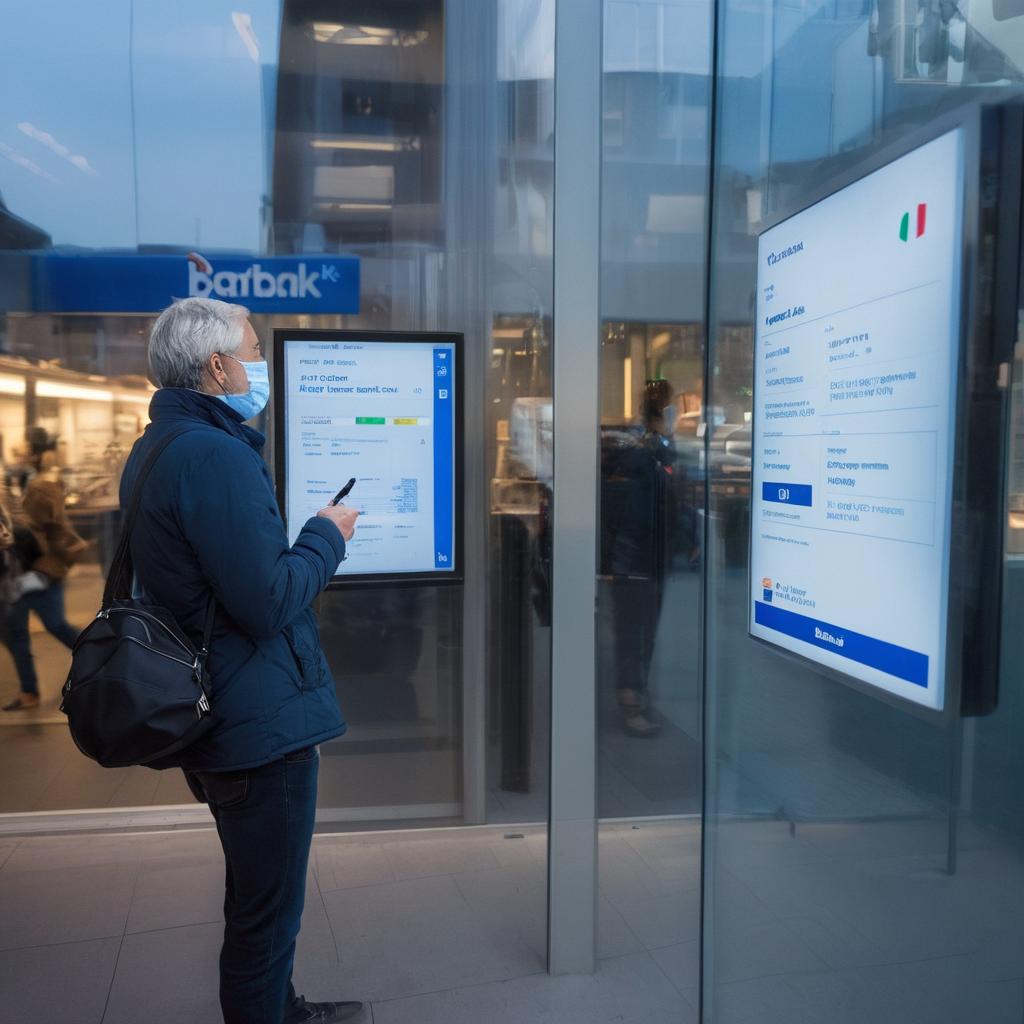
(772,844)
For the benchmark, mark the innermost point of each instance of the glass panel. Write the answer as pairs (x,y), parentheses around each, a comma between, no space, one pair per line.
(419,140)
(851,846)
(654,199)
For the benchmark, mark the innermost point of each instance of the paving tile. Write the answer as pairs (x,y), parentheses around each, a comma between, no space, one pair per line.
(176,893)
(625,990)
(769,998)
(666,920)
(168,977)
(530,851)
(422,858)
(6,849)
(874,839)
(941,991)
(681,964)
(747,953)
(68,983)
(421,935)
(343,864)
(624,877)
(673,856)
(614,936)
(63,853)
(512,899)
(51,905)
(319,973)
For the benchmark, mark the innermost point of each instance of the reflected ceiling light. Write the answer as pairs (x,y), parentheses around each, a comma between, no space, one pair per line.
(75,159)
(364,35)
(243,26)
(12,385)
(368,143)
(355,206)
(51,389)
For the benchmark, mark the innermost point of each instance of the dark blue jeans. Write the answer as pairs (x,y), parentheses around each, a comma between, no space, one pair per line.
(265,822)
(48,604)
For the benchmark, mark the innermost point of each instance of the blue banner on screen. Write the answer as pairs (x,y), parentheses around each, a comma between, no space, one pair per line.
(125,283)
(444,478)
(383,412)
(865,650)
(856,356)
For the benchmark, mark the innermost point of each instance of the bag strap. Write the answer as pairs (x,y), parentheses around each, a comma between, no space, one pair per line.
(119,578)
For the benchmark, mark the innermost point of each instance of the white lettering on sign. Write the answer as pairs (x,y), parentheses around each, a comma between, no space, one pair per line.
(255,282)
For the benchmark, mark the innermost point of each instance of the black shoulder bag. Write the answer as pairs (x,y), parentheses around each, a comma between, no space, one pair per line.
(138,690)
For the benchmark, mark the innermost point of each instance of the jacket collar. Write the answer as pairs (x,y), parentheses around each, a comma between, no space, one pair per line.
(173,404)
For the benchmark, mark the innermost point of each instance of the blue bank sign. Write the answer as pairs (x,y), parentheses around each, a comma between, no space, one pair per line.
(145,284)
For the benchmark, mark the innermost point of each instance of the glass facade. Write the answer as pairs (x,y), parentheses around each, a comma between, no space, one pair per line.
(862,862)
(416,137)
(859,861)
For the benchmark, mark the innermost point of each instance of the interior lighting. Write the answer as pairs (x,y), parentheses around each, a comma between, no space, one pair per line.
(11,385)
(51,389)
(368,144)
(132,396)
(355,206)
(627,387)
(364,35)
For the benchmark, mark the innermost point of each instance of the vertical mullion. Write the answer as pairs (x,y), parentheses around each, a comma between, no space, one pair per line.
(572,881)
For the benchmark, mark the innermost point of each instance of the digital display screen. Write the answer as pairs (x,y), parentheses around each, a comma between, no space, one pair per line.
(384,412)
(855,381)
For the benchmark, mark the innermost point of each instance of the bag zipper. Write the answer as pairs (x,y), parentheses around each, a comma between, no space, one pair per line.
(105,613)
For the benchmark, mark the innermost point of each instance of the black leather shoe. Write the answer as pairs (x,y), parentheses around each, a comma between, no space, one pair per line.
(301,1012)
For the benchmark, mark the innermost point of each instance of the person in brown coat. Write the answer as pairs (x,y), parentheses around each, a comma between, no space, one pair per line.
(46,548)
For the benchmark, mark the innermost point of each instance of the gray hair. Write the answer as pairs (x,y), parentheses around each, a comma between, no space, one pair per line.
(185,336)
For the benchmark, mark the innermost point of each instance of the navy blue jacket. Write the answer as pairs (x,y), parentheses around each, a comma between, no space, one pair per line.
(209,520)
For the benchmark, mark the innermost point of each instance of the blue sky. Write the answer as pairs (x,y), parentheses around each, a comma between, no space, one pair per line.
(200,153)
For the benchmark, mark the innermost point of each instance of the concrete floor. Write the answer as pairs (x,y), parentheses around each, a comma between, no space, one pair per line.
(444,926)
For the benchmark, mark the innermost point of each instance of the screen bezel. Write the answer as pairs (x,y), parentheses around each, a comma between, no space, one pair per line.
(435,577)
(988,303)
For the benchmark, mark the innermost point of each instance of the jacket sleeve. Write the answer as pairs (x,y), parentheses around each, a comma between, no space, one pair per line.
(230,518)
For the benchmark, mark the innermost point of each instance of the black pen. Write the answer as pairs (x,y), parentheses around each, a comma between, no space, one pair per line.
(343,493)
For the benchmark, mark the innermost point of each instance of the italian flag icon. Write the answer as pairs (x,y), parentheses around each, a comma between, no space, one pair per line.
(922,216)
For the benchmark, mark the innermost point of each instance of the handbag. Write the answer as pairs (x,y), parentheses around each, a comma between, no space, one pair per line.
(138,691)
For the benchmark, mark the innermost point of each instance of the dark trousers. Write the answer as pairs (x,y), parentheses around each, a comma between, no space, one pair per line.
(48,604)
(265,822)
(636,609)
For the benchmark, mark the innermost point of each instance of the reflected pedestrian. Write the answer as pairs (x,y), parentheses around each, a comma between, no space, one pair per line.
(45,548)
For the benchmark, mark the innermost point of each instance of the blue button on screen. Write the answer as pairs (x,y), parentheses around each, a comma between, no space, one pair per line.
(787,494)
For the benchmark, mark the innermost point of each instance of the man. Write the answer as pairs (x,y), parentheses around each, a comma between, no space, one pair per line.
(208,528)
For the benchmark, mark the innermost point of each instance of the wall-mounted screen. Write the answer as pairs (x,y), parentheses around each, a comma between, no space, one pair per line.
(855,389)
(383,409)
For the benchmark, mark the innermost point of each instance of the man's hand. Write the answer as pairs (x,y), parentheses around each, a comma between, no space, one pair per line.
(343,517)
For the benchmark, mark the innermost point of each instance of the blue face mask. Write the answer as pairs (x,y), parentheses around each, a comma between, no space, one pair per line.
(252,402)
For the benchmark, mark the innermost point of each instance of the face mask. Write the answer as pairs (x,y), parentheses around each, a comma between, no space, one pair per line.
(253,401)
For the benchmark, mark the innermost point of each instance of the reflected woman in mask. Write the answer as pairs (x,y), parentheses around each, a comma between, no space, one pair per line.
(639,530)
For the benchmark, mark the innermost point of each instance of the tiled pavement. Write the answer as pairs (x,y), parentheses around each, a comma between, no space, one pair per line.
(429,926)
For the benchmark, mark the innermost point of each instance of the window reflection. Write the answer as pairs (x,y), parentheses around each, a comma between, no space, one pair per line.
(344,133)
(829,812)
